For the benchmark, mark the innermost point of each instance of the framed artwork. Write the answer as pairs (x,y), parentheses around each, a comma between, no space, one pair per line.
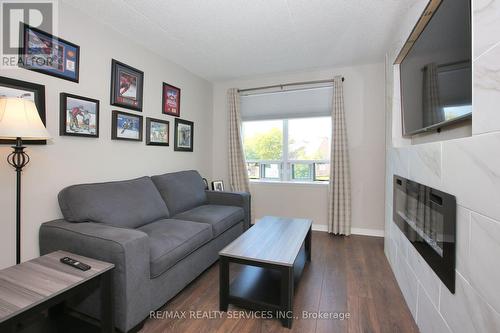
(41,52)
(157,132)
(79,116)
(171,101)
(27,90)
(183,135)
(126,86)
(218,185)
(126,126)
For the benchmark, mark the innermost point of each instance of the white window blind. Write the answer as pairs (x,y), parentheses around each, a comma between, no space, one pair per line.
(308,102)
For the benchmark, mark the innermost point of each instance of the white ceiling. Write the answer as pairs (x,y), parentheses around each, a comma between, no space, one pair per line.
(227,39)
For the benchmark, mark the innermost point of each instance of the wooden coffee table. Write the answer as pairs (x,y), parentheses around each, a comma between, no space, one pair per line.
(274,252)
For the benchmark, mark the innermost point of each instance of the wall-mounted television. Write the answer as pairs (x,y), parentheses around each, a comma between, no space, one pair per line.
(436,73)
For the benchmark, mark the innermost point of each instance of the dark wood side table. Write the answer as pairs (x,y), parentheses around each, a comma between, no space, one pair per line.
(274,252)
(42,283)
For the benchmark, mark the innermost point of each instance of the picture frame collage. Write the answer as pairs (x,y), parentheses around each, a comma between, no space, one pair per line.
(79,115)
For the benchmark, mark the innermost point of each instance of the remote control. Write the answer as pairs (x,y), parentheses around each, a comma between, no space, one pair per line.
(75,263)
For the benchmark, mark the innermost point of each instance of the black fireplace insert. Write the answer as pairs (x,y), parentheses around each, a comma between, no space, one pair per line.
(427,217)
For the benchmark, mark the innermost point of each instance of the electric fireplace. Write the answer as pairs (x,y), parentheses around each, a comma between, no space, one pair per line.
(427,217)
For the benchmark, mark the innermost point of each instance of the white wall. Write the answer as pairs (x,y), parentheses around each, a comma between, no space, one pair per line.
(364,106)
(69,160)
(468,168)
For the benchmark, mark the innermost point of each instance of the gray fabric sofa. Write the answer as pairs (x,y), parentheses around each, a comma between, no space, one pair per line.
(161,232)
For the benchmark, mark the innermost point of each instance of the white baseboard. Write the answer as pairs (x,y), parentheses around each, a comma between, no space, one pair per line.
(354,231)
(320,227)
(367,232)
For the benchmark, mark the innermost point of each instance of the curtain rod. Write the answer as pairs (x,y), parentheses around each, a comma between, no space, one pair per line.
(286,85)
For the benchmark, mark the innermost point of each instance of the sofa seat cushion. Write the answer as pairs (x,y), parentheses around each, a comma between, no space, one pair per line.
(171,240)
(219,217)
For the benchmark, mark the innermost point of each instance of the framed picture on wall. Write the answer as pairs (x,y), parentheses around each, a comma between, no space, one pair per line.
(157,132)
(126,126)
(126,86)
(26,90)
(183,135)
(41,52)
(171,100)
(79,116)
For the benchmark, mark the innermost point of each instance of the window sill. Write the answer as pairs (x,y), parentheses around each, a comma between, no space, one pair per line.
(286,182)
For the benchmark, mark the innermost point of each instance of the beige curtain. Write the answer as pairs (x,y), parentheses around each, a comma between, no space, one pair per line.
(339,204)
(238,176)
(433,112)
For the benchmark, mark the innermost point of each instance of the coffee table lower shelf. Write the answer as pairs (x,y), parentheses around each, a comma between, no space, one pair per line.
(262,286)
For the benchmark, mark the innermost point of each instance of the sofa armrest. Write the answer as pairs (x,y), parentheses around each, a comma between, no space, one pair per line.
(240,199)
(127,249)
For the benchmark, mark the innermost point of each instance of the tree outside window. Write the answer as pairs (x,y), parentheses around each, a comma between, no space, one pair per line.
(288,149)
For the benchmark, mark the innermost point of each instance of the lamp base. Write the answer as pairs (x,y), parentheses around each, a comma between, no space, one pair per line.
(18,159)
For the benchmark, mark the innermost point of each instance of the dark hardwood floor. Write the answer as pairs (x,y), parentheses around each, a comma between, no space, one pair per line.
(347,275)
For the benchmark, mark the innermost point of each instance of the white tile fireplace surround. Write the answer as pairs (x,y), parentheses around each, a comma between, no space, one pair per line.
(468,168)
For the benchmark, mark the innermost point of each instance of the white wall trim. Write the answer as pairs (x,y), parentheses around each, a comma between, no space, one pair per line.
(320,227)
(367,232)
(354,231)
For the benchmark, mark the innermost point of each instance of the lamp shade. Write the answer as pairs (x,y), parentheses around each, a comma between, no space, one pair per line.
(19,118)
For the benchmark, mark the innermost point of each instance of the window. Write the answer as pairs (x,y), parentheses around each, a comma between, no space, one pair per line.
(451,112)
(295,149)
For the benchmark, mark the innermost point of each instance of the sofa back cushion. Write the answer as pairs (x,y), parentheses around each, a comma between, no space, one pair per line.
(181,190)
(129,204)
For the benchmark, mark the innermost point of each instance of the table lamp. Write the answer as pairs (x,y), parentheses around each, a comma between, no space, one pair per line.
(19,120)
